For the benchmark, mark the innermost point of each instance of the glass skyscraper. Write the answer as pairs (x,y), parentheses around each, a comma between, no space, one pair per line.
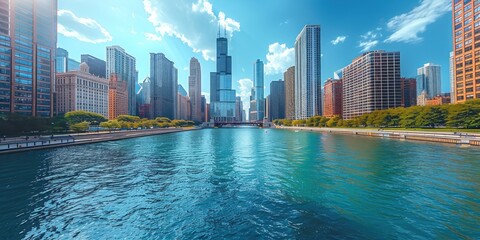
(163,86)
(429,80)
(259,92)
(222,96)
(28,38)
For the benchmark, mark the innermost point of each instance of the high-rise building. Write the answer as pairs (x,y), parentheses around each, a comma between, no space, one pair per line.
(124,66)
(182,90)
(183,104)
(73,65)
(61,60)
(28,38)
(259,90)
(429,80)
(222,96)
(253,107)
(371,82)
(267,108)
(452,82)
(98,67)
(333,98)
(466,50)
(238,109)
(144,99)
(289,77)
(409,92)
(204,109)
(277,100)
(80,90)
(117,97)
(164,86)
(195,89)
(308,85)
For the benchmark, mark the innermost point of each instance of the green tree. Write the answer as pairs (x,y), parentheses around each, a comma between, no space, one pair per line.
(83,116)
(128,118)
(80,127)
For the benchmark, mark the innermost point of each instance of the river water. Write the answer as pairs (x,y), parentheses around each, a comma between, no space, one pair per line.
(243,184)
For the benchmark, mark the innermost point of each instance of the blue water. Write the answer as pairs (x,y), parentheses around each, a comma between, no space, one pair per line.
(243,184)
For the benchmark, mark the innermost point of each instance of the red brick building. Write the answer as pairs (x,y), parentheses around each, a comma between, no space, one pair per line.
(117,97)
(333,97)
(409,91)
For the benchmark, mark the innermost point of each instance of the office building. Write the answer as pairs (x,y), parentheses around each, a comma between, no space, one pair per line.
(409,92)
(117,97)
(429,80)
(98,67)
(259,90)
(452,82)
(371,82)
(144,99)
(267,108)
(466,50)
(61,60)
(253,107)
(308,86)
(123,65)
(164,86)
(333,98)
(204,109)
(238,109)
(183,104)
(28,38)
(195,89)
(289,77)
(276,103)
(80,90)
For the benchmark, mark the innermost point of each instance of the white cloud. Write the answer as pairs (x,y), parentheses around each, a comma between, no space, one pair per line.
(339,39)
(245,87)
(191,21)
(369,39)
(83,29)
(409,25)
(279,58)
(367,45)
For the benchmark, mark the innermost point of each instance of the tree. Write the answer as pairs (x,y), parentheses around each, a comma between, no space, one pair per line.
(80,127)
(128,118)
(83,116)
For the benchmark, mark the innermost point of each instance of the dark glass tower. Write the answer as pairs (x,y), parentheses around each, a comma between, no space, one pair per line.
(163,86)
(222,96)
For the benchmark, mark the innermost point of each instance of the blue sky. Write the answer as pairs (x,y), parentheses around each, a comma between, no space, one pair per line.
(258,29)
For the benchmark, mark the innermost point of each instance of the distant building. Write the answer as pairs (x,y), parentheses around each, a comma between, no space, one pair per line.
(439,100)
(204,109)
(123,65)
(195,89)
(371,82)
(144,99)
(238,109)
(409,92)
(277,100)
(333,98)
(422,99)
(267,108)
(98,67)
(164,86)
(117,97)
(253,107)
(429,80)
(61,60)
(183,105)
(73,65)
(182,90)
(79,90)
(308,86)
(289,77)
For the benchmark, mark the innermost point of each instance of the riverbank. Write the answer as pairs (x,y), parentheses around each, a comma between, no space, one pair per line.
(29,144)
(426,136)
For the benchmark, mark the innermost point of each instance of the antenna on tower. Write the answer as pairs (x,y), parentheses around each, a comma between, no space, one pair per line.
(218,30)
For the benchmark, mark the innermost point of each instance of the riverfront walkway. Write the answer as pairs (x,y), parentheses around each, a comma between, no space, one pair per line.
(472,139)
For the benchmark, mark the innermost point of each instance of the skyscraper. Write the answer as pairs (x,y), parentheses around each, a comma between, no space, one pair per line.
(238,109)
(452,82)
(28,38)
(61,60)
(97,66)
(195,89)
(289,77)
(222,96)
(409,92)
(124,66)
(466,46)
(277,100)
(183,104)
(117,97)
(144,99)
(333,98)
(371,82)
(164,86)
(259,92)
(429,80)
(308,86)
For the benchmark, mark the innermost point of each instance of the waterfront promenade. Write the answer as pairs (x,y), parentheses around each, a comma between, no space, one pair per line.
(462,138)
(20,144)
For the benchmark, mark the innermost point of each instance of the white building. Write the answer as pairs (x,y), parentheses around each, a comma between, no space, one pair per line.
(195,89)
(429,80)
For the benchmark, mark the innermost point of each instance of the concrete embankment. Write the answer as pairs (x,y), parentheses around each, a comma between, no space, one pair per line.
(439,137)
(89,138)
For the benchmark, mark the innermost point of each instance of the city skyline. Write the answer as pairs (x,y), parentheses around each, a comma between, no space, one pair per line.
(387,28)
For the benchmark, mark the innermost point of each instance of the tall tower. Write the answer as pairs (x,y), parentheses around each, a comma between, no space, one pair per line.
(308,85)
(123,65)
(289,77)
(259,93)
(163,86)
(195,89)
(222,96)
(429,80)
(28,38)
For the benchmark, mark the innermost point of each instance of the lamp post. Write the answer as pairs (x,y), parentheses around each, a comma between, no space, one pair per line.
(51,129)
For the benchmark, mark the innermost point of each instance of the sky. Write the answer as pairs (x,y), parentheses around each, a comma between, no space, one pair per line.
(258,29)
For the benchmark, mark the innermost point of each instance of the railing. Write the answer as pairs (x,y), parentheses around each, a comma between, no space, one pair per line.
(39,142)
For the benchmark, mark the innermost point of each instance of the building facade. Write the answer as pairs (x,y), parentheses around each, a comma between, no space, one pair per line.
(238,109)
(333,98)
(204,109)
(144,99)
(123,65)
(308,86)
(409,92)
(80,90)
(183,105)
(466,50)
(61,60)
(117,97)
(439,100)
(28,40)
(371,82)
(164,86)
(222,95)
(289,77)
(259,91)
(195,89)
(452,82)
(276,104)
(98,67)
(429,80)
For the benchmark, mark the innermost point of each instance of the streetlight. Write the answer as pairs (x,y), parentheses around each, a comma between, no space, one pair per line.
(51,129)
